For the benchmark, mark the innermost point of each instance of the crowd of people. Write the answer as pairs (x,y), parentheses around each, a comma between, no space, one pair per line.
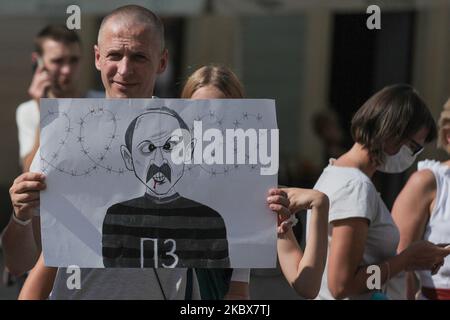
(349,228)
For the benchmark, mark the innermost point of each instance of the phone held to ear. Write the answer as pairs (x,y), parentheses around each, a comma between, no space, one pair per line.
(37,64)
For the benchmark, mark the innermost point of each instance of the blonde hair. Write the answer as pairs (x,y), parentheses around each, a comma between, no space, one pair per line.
(212,75)
(444,124)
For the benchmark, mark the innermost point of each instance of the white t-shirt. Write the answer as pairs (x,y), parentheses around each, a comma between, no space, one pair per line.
(438,227)
(27,119)
(352,194)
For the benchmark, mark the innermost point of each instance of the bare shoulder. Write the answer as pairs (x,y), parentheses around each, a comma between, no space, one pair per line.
(422,181)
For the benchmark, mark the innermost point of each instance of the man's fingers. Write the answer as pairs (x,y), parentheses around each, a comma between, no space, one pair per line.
(30,205)
(24,198)
(29,186)
(30,176)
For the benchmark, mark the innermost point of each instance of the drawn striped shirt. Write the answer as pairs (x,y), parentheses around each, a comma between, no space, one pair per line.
(178,232)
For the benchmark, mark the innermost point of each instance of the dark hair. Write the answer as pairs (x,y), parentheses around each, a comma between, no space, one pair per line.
(394,113)
(130,130)
(58,33)
(138,14)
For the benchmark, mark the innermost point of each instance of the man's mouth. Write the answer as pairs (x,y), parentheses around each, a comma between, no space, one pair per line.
(123,85)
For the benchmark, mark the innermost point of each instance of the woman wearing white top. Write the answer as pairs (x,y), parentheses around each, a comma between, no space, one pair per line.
(428,216)
(389,131)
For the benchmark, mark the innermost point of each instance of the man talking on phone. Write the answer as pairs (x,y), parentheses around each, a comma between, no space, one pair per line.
(56,65)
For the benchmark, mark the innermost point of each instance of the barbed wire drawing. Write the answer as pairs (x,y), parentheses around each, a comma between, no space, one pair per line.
(97,157)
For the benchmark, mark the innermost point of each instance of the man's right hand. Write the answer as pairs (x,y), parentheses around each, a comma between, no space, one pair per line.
(25,195)
(40,83)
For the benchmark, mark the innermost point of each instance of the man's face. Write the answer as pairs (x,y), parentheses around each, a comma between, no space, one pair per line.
(151,152)
(129,58)
(62,62)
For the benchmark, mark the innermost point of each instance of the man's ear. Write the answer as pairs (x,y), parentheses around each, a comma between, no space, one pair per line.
(163,61)
(97,57)
(127,158)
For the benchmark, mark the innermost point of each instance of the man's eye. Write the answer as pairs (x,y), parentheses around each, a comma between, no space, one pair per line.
(114,56)
(139,57)
(58,61)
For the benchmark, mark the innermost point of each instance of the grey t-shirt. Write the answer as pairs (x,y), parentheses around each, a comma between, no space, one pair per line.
(122,284)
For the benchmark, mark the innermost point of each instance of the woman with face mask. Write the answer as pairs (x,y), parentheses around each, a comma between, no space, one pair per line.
(427,216)
(389,131)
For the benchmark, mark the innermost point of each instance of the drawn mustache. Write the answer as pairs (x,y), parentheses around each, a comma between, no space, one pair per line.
(154,169)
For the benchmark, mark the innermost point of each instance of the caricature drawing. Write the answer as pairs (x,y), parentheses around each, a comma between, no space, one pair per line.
(161,228)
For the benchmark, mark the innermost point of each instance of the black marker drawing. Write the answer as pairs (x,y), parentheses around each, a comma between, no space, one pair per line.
(161,228)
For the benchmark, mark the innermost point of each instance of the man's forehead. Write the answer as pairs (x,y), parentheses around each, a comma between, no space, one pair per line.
(155,126)
(52,48)
(135,34)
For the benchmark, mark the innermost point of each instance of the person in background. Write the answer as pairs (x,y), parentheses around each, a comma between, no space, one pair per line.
(56,63)
(422,211)
(218,82)
(389,131)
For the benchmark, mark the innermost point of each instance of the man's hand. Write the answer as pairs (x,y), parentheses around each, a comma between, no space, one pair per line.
(24,194)
(40,83)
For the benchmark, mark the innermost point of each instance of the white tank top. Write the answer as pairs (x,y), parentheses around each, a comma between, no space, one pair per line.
(438,227)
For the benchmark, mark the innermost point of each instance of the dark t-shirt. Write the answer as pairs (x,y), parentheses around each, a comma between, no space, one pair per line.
(178,232)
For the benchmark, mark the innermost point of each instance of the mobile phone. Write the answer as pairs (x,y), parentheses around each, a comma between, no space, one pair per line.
(37,64)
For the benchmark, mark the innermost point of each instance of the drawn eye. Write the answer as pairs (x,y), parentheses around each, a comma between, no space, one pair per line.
(147,147)
(168,146)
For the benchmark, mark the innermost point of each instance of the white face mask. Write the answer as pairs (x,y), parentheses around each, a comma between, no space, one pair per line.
(398,162)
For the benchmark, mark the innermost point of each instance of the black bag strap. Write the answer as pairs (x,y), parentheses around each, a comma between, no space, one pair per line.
(189,286)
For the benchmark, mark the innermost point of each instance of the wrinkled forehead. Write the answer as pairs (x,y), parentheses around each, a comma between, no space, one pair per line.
(155,127)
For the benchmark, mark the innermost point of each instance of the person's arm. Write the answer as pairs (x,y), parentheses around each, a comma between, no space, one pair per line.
(39,282)
(303,271)
(21,243)
(411,214)
(346,276)
(38,89)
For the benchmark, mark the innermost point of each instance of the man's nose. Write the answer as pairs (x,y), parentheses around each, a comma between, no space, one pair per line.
(66,69)
(124,67)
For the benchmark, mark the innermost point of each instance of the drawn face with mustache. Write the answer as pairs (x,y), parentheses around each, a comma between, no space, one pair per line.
(152,143)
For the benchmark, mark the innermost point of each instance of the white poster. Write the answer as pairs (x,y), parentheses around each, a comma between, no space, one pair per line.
(158,183)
